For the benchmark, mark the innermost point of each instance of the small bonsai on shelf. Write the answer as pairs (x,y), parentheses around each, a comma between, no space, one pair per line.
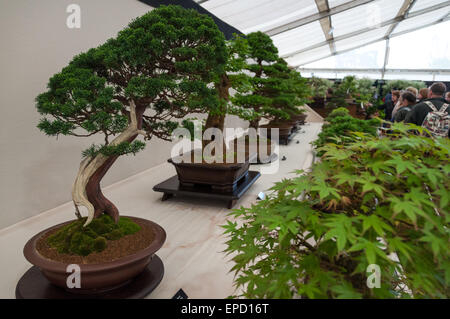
(319,87)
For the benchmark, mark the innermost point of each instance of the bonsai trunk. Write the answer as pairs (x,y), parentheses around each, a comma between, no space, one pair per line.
(218,120)
(86,189)
(254,124)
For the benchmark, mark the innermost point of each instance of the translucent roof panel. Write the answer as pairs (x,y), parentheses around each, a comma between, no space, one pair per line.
(295,28)
(335,3)
(364,16)
(422,4)
(309,56)
(422,20)
(369,56)
(260,15)
(361,39)
(434,50)
(299,38)
(339,75)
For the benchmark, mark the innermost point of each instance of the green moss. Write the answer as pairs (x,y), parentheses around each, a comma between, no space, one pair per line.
(78,240)
(99,244)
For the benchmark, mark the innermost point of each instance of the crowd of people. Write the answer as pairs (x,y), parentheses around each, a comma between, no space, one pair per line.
(412,105)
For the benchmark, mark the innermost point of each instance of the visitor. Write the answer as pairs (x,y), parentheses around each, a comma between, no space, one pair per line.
(388,97)
(423,94)
(435,96)
(447,97)
(413,90)
(389,105)
(397,106)
(408,100)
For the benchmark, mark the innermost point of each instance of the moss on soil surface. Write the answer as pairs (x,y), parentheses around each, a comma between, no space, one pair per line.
(78,240)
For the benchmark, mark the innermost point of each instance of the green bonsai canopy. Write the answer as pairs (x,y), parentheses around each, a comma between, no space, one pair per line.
(273,90)
(155,71)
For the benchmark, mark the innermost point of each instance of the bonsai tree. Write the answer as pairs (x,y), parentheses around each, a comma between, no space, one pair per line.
(319,86)
(401,85)
(343,91)
(273,90)
(370,203)
(231,76)
(364,91)
(154,72)
(340,127)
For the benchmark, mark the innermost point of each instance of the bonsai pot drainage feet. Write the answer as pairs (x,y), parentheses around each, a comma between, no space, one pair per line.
(172,186)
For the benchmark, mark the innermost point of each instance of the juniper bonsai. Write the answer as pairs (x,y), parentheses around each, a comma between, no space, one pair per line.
(157,70)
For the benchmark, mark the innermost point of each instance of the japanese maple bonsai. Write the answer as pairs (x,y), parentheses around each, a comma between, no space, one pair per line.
(363,222)
(154,72)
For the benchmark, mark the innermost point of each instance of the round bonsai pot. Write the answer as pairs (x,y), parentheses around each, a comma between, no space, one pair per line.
(98,277)
(221,177)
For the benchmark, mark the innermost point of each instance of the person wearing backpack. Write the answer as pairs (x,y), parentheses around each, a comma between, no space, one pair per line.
(408,101)
(432,113)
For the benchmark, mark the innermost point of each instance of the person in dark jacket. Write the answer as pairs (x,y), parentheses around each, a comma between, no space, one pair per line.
(435,96)
(389,105)
(447,97)
(408,101)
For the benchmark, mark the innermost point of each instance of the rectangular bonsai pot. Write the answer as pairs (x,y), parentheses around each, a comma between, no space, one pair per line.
(221,177)
(284,129)
(285,133)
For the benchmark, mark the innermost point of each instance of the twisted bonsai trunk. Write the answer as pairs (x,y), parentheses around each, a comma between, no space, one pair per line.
(86,189)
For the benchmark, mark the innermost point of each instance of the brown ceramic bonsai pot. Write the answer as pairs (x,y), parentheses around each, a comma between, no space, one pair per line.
(264,155)
(285,131)
(221,177)
(296,121)
(299,118)
(100,277)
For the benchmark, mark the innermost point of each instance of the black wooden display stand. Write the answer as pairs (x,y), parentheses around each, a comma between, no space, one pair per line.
(33,285)
(285,139)
(270,159)
(171,187)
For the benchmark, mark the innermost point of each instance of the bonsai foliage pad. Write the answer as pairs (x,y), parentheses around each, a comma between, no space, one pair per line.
(33,285)
(172,186)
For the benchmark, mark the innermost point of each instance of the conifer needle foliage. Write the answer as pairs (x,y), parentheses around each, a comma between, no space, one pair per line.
(272,90)
(165,61)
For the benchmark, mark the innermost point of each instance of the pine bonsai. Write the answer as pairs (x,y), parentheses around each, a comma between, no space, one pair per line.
(157,70)
(319,86)
(274,91)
